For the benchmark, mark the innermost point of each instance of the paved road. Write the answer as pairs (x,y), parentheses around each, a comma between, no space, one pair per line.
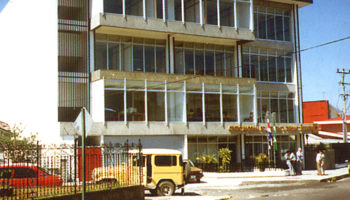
(215,189)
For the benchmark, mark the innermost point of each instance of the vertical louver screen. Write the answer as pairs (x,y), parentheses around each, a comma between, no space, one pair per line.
(73,58)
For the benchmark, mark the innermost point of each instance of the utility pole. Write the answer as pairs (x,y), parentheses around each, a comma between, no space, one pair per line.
(345,132)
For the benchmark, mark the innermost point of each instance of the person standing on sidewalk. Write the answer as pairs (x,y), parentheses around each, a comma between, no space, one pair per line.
(322,163)
(300,159)
(289,163)
(318,163)
(293,160)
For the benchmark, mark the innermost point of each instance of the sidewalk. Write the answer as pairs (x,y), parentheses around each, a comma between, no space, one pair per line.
(279,176)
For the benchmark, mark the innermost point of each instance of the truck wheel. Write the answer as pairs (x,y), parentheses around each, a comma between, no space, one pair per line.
(165,188)
(153,192)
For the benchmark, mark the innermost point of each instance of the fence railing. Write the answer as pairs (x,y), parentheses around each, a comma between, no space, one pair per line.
(57,170)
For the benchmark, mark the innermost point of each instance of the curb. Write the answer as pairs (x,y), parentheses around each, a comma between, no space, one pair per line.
(334,178)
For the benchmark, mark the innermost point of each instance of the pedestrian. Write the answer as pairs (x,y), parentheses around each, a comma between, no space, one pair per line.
(293,160)
(318,163)
(289,164)
(322,163)
(300,160)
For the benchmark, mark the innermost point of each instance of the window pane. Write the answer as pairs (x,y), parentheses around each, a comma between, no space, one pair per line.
(263,109)
(212,12)
(178,15)
(230,65)
(114,105)
(155,106)
(100,55)
(160,59)
(134,7)
(160,9)
(274,108)
(272,68)
(229,107)
(263,68)
(280,68)
(219,61)
(287,28)
(113,56)
(136,106)
(289,70)
(271,27)
(149,59)
(138,58)
(175,106)
(245,66)
(279,27)
(254,61)
(212,107)
(113,6)
(262,26)
(199,62)
(127,57)
(192,11)
(165,160)
(209,63)
(226,13)
(189,62)
(291,111)
(194,107)
(283,111)
(179,61)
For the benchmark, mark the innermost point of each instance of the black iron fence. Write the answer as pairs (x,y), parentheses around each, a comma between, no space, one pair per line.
(57,170)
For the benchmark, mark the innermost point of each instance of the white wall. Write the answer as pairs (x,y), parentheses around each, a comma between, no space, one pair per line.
(97,7)
(28,78)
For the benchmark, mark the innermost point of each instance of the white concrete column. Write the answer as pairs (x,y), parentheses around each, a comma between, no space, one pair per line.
(92,52)
(185,105)
(243,147)
(239,49)
(201,21)
(171,53)
(166,102)
(255,105)
(144,9)
(218,11)
(251,19)
(124,10)
(235,14)
(203,104)
(221,107)
(164,11)
(125,104)
(238,105)
(185,154)
(146,103)
(183,11)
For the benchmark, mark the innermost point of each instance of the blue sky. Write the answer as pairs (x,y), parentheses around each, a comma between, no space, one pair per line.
(3,4)
(321,22)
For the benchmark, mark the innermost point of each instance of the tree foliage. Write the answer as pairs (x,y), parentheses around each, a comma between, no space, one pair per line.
(225,156)
(18,148)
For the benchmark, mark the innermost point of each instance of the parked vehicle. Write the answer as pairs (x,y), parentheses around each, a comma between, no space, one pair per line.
(26,175)
(162,171)
(192,172)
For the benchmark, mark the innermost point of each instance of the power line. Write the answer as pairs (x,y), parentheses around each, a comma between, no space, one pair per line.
(325,44)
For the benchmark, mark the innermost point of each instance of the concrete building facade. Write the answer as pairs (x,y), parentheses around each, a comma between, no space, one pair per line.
(192,75)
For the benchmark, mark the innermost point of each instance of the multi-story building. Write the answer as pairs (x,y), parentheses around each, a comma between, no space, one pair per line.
(194,75)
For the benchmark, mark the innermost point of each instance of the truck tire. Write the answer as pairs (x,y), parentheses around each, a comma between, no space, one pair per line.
(165,188)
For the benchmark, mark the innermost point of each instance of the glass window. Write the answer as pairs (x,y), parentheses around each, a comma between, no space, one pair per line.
(194,107)
(160,59)
(279,28)
(189,62)
(209,63)
(138,58)
(280,69)
(192,11)
(226,13)
(230,65)
(272,68)
(199,62)
(113,56)
(261,25)
(291,117)
(263,68)
(245,66)
(219,62)
(270,23)
(286,26)
(100,55)
(165,160)
(211,14)
(135,106)
(113,6)
(179,61)
(176,106)
(283,111)
(178,10)
(159,9)
(289,73)
(114,105)
(149,59)
(156,107)
(229,107)
(134,7)
(127,57)
(212,107)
